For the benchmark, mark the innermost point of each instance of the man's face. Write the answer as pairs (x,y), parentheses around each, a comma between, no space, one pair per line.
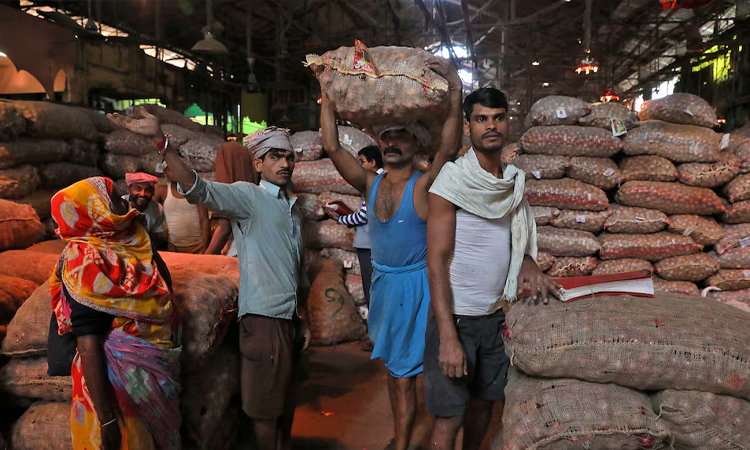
(140,195)
(369,165)
(399,148)
(276,167)
(487,128)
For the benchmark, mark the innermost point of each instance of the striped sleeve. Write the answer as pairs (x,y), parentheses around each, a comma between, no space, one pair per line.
(358,218)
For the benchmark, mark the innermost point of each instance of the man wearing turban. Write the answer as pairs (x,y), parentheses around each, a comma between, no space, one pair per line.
(267,228)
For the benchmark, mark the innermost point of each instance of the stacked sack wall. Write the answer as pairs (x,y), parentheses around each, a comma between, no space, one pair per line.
(666,193)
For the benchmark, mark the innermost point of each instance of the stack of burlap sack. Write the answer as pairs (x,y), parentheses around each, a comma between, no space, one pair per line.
(205,293)
(622,372)
(46,146)
(668,197)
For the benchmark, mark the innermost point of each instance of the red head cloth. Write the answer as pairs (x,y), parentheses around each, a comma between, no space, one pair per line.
(140,177)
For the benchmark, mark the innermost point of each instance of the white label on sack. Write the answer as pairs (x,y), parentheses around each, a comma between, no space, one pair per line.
(347,140)
(745,242)
(746,273)
(725,141)
(347,264)
(561,114)
(687,232)
(618,128)
(609,172)
(689,113)
(298,149)
(580,219)
(537,174)
(640,219)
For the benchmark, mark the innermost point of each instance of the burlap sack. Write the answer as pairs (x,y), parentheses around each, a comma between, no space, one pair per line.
(83,153)
(710,175)
(566,194)
(569,140)
(675,287)
(405,90)
(733,236)
(310,206)
(19,226)
(738,212)
(18,182)
(544,260)
(12,122)
(556,110)
(548,167)
(54,247)
(543,215)
(602,115)
(347,258)
(625,219)
(567,414)
(739,299)
(332,313)
(670,198)
(353,140)
(572,267)
(562,242)
(206,395)
(326,234)
(738,189)
(741,149)
(28,265)
(123,142)
(207,305)
(507,154)
(40,202)
(17,288)
(172,117)
(50,120)
(225,266)
(63,174)
(32,151)
(701,420)
(200,151)
(736,258)
(600,172)
(695,267)
(45,425)
(623,265)
(730,279)
(686,109)
(703,230)
(27,378)
(320,176)
(647,168)
(630,340)
(355,288)
(677,143)
(581,220)
(28,331)
(116,166)
(307,145)
(651,247)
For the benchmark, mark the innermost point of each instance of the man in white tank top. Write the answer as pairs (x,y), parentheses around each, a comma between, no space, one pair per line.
(481,250)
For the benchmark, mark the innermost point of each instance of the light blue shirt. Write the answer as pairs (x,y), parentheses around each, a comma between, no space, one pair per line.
(267,230)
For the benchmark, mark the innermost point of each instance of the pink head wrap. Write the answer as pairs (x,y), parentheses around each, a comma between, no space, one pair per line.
(140,177)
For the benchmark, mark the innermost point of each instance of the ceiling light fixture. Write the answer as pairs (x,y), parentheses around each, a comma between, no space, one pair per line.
(545,84)
(535,63)
(609,95)
(209,44)
(588,65)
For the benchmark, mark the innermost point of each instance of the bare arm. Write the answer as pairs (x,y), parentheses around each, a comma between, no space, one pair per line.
(94,367)
(160,194)
(345,163)
(220,237)
(205,225)
(441,235)
(450,143)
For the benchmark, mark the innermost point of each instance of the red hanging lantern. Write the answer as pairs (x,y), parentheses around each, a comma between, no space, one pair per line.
(609,95)
(588,65)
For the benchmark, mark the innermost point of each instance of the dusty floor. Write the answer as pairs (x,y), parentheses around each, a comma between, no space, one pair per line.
(344,404)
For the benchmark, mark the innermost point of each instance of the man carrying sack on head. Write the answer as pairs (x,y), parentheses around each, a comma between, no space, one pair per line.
(396,216)
(267,228)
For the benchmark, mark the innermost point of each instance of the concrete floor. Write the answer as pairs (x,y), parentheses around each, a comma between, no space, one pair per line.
(344,404)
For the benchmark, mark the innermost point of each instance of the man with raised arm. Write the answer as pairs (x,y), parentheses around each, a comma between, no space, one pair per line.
(481,251)
(273,285)
(397,214)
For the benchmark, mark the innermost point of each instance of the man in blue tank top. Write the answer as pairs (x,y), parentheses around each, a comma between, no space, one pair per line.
(397,214)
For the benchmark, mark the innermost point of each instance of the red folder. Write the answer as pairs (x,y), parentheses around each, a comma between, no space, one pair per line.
(631,283)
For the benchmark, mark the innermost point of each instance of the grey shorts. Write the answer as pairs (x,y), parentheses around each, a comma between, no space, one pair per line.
(487,364)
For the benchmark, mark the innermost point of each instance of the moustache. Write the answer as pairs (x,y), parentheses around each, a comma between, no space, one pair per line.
(491,134)
(395,150)
(284,172)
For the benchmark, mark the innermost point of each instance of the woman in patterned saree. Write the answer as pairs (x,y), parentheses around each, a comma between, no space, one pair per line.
(111,291)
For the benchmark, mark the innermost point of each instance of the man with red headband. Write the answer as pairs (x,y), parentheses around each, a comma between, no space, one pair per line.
(141,187)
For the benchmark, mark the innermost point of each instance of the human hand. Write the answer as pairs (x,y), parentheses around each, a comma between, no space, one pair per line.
(540,286)
(445,69)
(141,123)
(452,359)
(331,213)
